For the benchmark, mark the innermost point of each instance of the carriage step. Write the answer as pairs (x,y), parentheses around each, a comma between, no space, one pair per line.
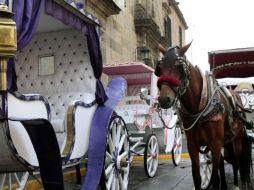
(136,139)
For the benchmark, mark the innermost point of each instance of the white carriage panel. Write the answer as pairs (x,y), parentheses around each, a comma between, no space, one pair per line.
(26,109)
(22,143)
(83,121)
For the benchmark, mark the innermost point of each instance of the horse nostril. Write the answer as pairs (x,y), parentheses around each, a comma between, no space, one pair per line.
(165,102)
(169,99)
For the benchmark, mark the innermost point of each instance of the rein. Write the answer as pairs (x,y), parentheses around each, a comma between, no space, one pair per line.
(203,111)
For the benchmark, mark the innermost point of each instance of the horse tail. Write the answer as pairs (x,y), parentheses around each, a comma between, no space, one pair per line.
(246,160)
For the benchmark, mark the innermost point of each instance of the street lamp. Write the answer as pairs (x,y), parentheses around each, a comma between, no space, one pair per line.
(145,54)
(8,42)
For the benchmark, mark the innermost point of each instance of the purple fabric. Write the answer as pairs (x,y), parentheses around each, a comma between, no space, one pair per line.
(98,133)
(57,11)
(26,16)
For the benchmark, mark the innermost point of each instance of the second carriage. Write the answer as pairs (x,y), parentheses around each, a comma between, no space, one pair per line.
(148,125)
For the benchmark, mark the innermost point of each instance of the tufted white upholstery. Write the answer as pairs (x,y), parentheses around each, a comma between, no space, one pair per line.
(73,74)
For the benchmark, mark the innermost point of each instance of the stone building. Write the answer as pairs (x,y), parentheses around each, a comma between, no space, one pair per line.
(131,29)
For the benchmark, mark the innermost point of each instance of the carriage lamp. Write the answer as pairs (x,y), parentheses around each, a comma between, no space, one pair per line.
(8,42)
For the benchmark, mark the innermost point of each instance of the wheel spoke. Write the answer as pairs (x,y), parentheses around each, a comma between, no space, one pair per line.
(110,145)
(109,169)
(123,138)
(149,159)
(113,183)
(9,180)
(119,130)
(2,179)
(17,179)
(122,185)
(108,156)
(150,166)
(110,180)
(114,134)
(124,154)
(154,147)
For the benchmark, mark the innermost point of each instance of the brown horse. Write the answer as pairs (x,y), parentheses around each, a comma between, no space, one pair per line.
(209,118)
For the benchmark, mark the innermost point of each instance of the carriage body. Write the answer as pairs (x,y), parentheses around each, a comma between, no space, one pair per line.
(57,83)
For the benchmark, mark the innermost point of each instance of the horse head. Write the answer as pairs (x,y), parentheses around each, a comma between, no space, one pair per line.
(173,75)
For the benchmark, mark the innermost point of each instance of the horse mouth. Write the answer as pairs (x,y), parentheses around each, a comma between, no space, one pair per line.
(165,102)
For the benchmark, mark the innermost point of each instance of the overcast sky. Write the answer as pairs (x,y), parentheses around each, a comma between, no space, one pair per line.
(216,25)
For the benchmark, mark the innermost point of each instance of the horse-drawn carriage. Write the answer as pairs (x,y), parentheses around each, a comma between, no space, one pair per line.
(142,115)
(70,118)
(213,116)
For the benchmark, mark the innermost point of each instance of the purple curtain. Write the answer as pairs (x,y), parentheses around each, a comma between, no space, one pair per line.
(26,16)
(69,19)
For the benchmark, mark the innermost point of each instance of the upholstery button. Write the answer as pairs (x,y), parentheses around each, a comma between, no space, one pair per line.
(81,61)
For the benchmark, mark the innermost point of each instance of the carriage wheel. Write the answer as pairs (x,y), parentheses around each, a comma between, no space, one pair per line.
(177,148)
(116,165)
(151,155)
(10,180)
(206,168)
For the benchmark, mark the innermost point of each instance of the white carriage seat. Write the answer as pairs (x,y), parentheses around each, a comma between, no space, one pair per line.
(21,106)
(60,105)
(78,122)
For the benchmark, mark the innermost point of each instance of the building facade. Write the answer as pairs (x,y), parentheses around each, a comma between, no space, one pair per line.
(132,29)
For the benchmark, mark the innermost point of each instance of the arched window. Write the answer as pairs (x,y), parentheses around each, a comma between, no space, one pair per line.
(180,37)
(168,31)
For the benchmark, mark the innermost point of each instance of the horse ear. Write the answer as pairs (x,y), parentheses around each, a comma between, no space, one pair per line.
(183,50)
(162,49)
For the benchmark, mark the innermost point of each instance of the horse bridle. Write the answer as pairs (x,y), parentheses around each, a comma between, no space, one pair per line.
(185,74)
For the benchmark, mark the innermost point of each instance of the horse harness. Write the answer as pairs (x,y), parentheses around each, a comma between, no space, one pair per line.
(210,103)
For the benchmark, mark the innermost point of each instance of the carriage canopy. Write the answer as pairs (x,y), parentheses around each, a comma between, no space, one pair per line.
(238,63)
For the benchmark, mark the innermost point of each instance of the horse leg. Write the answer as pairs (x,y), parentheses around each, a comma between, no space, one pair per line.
(195,165)
(222,175)
(235,170)
(216,156)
